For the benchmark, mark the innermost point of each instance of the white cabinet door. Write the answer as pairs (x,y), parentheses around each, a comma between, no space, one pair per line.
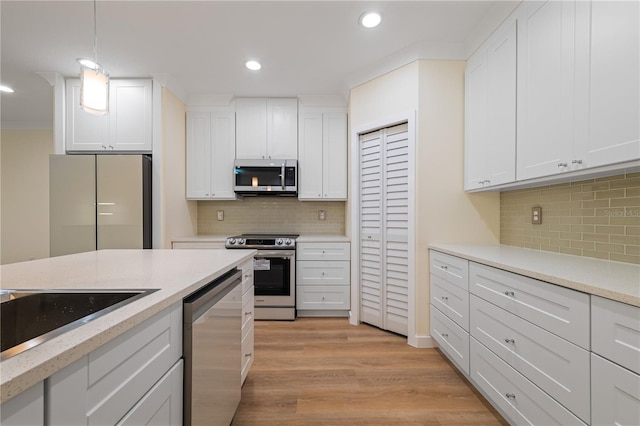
(615,394)
(282,128)
(130,115)
(452,300)
(334,156)
(607,84)
(198,155)
(545,107)
(310,166)
(24,409)
(210,155)
(251,128)
(84,131)
(490,90)
(452,339)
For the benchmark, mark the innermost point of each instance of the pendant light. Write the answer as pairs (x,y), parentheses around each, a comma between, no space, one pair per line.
(94,80)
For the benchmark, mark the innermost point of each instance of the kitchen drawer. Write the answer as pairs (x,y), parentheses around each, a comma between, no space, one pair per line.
(452,269)
(452,300)
(557,366)
(247,353)
(323,298)
(615,394)
(615,332)
(247,275)
(322,272)
(452,339)
(323,251)
(519,399)
(561,311)
(247,311)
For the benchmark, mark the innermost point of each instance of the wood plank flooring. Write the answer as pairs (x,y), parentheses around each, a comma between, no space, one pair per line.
(323,371)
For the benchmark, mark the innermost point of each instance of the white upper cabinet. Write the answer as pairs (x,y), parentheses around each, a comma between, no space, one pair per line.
(266,128)
(210,154)
(546,32)
(607,82)
(127,127)
(322,151)
(490,134)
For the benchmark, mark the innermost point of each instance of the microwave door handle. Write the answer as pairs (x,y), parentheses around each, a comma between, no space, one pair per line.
(282,176)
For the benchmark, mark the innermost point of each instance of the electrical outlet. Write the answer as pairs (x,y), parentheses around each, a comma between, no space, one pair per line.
(220,214)
(536,215)
(322,215)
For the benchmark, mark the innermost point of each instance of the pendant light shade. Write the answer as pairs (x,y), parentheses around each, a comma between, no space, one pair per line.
(94,80)
(94,90)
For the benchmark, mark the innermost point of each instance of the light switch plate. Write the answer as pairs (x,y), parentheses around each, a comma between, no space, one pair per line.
(322,215)
(220,214)
(536,215)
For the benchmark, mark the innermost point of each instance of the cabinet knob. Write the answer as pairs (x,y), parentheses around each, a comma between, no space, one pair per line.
(509,341)
(576,162)
(509,293)
(510,395)
(562,164)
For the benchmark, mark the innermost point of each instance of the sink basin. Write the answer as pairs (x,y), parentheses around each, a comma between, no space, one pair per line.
(31,317)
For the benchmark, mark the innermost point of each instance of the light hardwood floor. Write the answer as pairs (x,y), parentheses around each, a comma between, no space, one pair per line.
(323,371)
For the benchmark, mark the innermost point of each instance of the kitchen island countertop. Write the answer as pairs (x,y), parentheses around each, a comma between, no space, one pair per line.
(175,273)
(612,280)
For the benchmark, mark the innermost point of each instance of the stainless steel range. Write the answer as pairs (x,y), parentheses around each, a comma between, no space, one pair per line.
(274,269)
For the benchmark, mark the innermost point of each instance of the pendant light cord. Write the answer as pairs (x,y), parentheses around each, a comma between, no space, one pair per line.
(95,33)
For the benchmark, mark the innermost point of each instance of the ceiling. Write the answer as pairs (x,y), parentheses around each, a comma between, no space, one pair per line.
(311,49)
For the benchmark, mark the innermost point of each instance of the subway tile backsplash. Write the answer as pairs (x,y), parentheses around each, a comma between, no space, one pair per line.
(597,218)
(266,214)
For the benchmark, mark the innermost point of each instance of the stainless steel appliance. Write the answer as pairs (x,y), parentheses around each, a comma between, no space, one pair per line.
(274,273)
(99,202)
(265,177)
(212,338)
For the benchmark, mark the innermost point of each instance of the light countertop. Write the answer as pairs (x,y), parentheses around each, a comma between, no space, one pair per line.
(176,273)
(612,280)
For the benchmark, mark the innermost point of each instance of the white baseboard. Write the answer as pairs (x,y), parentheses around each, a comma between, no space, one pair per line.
(422,342)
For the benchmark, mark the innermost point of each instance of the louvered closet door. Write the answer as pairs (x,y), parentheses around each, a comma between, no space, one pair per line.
(384,216)
(370,228)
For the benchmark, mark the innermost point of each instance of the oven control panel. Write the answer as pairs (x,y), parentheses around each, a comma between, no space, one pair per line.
(260,242)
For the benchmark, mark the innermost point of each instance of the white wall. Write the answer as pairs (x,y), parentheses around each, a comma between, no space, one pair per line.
(25,194)
(444,213)
(179,216)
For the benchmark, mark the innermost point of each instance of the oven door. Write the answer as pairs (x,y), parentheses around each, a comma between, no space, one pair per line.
(274,278)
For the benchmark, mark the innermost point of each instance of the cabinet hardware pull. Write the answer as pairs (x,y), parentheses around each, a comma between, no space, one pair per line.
(562,164)
(247,313)
(512,341)
(487,181)
(445,298)
(444,267)
(248,355)
(445,335)
(103,146)
(509,293)
(510,395)
(480,182)
(576,162)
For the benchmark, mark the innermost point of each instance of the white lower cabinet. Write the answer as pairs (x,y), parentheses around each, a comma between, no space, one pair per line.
(24,409)
(615,394)
(557,366)
(518,398)
(452,339)
(323,279)
(105,385)
(248,315)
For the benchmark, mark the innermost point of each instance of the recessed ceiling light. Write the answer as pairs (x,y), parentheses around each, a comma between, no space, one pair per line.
(6,89)
(370,19)
(253,65)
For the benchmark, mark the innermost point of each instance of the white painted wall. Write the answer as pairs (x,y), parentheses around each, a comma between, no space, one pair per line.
(25,194)
(444,212)
(179,216)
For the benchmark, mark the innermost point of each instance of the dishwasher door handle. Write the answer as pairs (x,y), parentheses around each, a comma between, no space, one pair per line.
(202,300)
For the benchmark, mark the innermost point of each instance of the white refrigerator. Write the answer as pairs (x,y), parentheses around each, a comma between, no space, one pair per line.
(100,201)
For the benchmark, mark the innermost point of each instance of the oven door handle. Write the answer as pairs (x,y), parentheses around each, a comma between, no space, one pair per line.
(282,171)
(275,253)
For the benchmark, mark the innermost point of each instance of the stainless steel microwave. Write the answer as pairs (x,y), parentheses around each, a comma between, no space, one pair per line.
(265,177)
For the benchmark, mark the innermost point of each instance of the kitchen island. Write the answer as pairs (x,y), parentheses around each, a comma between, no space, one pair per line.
(175,273)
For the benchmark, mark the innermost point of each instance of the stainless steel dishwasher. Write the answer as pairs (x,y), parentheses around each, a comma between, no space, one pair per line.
(212,351)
